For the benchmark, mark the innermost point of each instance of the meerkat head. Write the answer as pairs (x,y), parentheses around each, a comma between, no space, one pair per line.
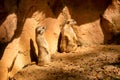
(40,30)
(71,21)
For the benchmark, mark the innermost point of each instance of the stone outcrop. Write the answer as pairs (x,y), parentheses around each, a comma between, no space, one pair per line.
(110,21)
(23,45)
(19,18)
(8,20)
(3,71)
(87,16)
(8,28)
(52,33)
(89,34)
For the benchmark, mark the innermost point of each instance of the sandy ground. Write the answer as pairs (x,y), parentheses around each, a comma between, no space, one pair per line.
(87,63)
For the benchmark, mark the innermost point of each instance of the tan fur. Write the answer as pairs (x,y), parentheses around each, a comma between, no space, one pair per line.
(43,47)
(52,33)
(68,37)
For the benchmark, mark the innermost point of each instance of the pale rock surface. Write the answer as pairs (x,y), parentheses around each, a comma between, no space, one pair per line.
(52,33)
(3,71)
(110,21)
(89,34)
(8,27)
(32,13)
(23,46)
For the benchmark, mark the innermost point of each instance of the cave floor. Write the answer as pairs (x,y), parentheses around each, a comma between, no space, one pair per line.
(86,63)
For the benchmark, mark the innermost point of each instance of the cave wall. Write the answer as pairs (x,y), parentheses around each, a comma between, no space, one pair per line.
(110,23)
(20,18)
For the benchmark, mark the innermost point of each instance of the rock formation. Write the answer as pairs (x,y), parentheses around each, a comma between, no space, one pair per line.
(19,18)
(110,21)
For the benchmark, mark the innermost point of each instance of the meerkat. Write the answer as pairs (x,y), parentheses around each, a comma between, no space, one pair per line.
(68,37)
(43,47)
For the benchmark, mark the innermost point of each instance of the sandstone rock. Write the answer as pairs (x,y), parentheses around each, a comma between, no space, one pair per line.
(87,15)
(89,34)
(32,13)
(52,33)
(21,47)
(110,21)
(63,16)
(23,44)
(8,28)
(9,53)
(3,71)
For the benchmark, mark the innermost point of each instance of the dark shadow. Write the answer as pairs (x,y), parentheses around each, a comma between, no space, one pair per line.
(117,64)
(56,6)
(59,41)
(33,55)
(83,11)
(3,15)
(11,67)
(8,7)
(103,24)
(2,48)
(3,12)
(109,37)
(115,39)
(86,11)
(21,17)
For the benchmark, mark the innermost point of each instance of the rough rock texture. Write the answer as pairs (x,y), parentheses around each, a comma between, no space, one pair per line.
(8,20)
(52,33)
(90,63)
(3,71)
(110,21)
(23,45)
(87,16)
(19,18)
(8,28)
(89,34)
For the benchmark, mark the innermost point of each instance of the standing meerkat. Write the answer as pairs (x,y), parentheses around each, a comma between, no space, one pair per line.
(43,47)
(68,37)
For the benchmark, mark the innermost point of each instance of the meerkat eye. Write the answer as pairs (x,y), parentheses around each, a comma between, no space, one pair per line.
(67,22)
(44,28)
